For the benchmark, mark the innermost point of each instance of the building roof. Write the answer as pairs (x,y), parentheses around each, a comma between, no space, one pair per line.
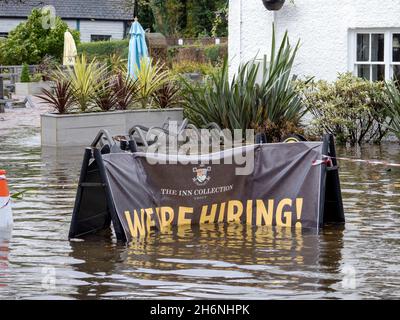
(70,9)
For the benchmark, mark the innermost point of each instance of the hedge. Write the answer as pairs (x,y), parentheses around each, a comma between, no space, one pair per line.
(103,49)
(204,54)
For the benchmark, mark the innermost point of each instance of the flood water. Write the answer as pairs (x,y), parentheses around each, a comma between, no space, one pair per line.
(37,261)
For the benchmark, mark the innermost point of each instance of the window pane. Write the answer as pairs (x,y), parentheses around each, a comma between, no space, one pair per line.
(378,47)
(396,47)
(396,72)
(378,72)
(99,37)
(363,47)
(363,71)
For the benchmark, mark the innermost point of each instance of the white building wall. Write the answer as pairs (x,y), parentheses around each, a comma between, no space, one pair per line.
(71,23)
(87,27)
(7,24)
(113,28)
(321,25)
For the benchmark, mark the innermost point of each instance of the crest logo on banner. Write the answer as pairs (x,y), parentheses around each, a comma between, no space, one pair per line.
(202,175)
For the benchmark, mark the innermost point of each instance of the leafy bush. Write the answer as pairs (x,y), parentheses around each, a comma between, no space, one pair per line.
(246,103)
(116,64)
(215,53)
(125,90)
(47,66)
(29,42)
(86,79)
(25,77)
(104,49)
(150,77)
(351,108)
(168,96)
(61,99)
(393,107)
(105,98)
(193,67)
(220,24)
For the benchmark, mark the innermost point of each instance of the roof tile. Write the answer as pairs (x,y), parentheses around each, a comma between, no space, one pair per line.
(75,9)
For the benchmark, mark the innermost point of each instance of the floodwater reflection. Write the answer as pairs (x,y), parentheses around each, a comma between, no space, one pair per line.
(236,261)
(212,261)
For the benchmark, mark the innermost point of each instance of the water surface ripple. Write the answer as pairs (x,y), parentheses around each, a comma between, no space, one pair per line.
(220,262)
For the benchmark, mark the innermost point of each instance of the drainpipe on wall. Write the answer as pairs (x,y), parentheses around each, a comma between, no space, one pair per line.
(240,30)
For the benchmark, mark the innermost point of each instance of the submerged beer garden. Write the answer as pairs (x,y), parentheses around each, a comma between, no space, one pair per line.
(96,214)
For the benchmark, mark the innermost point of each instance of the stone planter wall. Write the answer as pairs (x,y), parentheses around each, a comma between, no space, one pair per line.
(72,130)
(31,88)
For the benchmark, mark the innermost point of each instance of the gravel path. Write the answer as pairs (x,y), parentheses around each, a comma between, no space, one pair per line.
(23,117)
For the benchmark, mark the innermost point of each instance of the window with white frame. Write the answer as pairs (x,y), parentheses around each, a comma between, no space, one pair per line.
(376,54)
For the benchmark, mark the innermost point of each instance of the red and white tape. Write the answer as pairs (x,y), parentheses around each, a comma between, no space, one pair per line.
(328,161)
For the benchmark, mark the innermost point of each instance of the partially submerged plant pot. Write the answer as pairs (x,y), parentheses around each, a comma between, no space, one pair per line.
(273,5)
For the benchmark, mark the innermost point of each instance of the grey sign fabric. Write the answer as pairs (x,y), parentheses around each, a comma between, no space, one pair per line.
(282,188)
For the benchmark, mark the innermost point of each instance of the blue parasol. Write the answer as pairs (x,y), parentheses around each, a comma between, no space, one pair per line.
(137,48)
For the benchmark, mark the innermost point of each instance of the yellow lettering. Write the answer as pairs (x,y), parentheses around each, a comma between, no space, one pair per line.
(249,212)
(129,220)
(137,228)
(235,211)
(264,215)
(208,218)
(150,219)
(286,214)
(166,216)
(182,220)
(221,212)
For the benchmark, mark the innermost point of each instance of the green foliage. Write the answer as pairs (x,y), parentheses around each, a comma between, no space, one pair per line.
(104,49)
(215,53)
(29,42)
(220,23)
(25,77)
(193,67)
(200,16)
(86,79)
(150,77)
(61,99)
(167,16)
(351,108)
(393,107)
(247,102)
(191,18)
(47,66)
(105,97)
(116,64)
(168,96)
(125,90)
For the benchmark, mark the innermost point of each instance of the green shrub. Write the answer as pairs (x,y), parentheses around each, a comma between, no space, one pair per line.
(393,107)
(193,67)
(104,49)
(214,53)
(29,42)
(246,103)
(85,79)
(61,98)
(25,77)
(351,108)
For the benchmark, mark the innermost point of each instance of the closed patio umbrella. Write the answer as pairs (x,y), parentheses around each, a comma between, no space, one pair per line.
(70,51)
(137,47)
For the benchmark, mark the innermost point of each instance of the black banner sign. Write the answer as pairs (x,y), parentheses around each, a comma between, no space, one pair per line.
(277,185)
